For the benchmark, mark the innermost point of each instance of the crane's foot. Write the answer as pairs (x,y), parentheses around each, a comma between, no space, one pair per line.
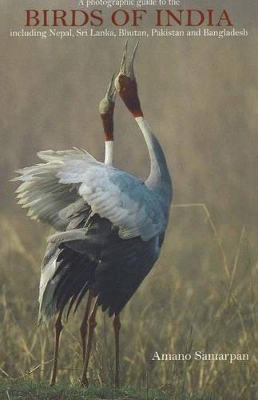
(58,330)
(117,327)
(92,325)
(84,382)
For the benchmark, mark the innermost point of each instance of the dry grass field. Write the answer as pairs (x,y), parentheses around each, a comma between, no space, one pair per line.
(207,305)
(200,96)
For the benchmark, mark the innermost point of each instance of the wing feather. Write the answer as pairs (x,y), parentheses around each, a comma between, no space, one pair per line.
(112,268)
(51,190)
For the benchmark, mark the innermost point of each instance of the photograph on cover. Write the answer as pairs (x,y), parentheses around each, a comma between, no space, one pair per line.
(129,199)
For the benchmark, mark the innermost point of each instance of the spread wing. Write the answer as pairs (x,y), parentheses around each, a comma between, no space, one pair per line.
(69,180)
(44,196)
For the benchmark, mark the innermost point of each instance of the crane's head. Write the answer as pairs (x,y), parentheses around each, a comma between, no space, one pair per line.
(125,83)
(106,109)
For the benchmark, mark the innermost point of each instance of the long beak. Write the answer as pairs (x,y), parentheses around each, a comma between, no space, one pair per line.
(131,62)
(110,96)
(126,67)
(111,90)
(123,62)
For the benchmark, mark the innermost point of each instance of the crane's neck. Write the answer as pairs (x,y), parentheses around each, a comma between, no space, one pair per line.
(159,179)
(109,152)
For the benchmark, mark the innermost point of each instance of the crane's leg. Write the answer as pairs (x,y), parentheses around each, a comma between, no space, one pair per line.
(117,326)
(92,325)
(84,325)
(58,330)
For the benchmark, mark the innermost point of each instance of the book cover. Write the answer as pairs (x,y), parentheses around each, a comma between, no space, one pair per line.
(190,330)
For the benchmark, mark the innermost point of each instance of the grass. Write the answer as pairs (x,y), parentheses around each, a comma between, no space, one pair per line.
(29,390)
(201,296)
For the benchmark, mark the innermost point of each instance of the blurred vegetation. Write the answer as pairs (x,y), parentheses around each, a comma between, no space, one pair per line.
(200,96)
(182,307)
(27,389)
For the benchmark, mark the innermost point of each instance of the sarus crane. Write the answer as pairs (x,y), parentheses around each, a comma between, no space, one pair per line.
(109,225)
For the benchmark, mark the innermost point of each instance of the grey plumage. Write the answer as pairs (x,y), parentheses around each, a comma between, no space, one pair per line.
(111,267)
(112,228)
(109,224)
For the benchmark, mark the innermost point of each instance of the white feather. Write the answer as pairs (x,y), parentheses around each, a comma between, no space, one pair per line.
(49,188)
